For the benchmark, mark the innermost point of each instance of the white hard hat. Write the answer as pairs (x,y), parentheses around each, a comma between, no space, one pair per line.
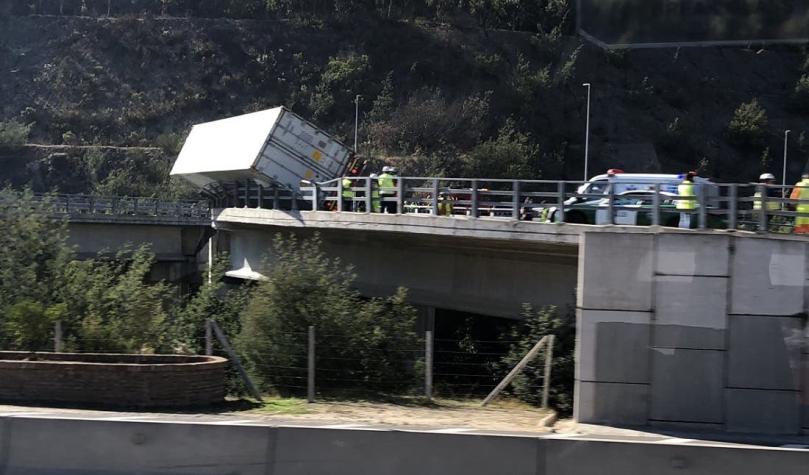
(374,175)
(387,169)
(766,176)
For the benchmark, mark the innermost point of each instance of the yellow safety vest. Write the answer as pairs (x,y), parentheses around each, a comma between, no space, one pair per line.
(386,185)
(686,189)
(376,204)
(801,192)
(347,191)
(771,204)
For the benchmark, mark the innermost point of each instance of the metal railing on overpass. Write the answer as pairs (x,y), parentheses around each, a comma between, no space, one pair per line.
(90,207)
(751,207)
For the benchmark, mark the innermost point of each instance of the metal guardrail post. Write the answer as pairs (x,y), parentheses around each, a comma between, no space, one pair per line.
(339,194)
(260,203)
(702,207)
(310,372)
(368,199)
(611,204)
(315,196)
(247,193)
(135,206)
(473,207)
(656,205)
(294,198)
(400,190)
(560,201)
(515,199)
(67,204)
(434,202)
(276,200)
(90,205)
(733,204)
(762,214)
(428,365)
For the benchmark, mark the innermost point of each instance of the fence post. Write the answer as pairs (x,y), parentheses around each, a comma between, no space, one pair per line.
(57,336)
(400,190)
(703,207)
(339,194)
(473,207)
(515,199)
(310,373)
(611,204)
(733,194)
(369,202)
(762,214)
(428,365)
(532,353)
(656,205)
(560,201)
(223,340)
(208,338)
(315,196)
(547,377)
(435,197)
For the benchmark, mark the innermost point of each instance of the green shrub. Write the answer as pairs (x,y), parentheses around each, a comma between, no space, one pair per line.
(749,124)
(366,344)
(13,132)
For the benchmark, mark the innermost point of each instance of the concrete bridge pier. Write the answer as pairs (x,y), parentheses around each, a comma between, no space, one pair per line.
(693,330)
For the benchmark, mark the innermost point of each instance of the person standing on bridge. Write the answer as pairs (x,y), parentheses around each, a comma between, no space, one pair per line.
(801,192)
(687,202)
(387,189)
(376,205)
(348,193)
(767,180)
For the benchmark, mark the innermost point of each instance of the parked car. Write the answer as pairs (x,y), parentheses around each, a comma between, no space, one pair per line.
(633,208)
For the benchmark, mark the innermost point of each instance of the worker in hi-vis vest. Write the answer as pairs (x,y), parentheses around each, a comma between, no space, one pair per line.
(376,204)
(801,192)
(686,206)
(348,193)
(387,189)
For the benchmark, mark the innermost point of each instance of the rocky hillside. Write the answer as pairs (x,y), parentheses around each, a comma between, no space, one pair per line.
(435,98)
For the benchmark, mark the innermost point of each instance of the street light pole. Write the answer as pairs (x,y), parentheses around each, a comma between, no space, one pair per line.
(784,176)
(587,132)
(356,119)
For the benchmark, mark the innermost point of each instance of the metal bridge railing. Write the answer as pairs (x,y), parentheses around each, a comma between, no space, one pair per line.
(750,207)
(77,206)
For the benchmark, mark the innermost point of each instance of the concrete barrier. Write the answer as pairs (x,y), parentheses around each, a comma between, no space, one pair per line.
(38,446)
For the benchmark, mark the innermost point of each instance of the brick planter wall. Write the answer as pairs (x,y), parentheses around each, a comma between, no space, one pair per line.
(112,379)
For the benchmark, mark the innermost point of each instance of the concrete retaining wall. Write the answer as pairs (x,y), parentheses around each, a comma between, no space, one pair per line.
(112,380)
(31,446)
(698,330)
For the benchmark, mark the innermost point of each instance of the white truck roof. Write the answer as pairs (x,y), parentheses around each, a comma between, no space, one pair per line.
(271,147)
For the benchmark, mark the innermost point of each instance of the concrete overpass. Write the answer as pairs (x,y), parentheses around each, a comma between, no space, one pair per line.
(482,265)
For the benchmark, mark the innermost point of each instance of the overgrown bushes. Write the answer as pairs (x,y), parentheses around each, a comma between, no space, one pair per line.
(364,345)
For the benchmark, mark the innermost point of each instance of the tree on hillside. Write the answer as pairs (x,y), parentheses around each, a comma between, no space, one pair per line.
(749,124)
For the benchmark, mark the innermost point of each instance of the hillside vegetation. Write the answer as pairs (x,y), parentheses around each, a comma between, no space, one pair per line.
(481,89)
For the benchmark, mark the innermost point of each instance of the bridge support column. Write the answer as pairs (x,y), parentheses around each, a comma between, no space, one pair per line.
(702,331)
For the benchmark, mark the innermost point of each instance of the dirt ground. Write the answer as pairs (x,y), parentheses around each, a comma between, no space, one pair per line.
(449,414)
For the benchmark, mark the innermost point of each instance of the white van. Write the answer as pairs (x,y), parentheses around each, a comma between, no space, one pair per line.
(622,182)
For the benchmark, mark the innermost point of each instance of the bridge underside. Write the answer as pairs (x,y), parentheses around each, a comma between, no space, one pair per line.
(443,266)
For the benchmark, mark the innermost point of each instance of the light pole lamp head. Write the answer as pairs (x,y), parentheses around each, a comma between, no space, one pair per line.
(586,84)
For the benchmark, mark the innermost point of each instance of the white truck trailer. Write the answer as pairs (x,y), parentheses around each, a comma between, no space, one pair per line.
(274,147)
